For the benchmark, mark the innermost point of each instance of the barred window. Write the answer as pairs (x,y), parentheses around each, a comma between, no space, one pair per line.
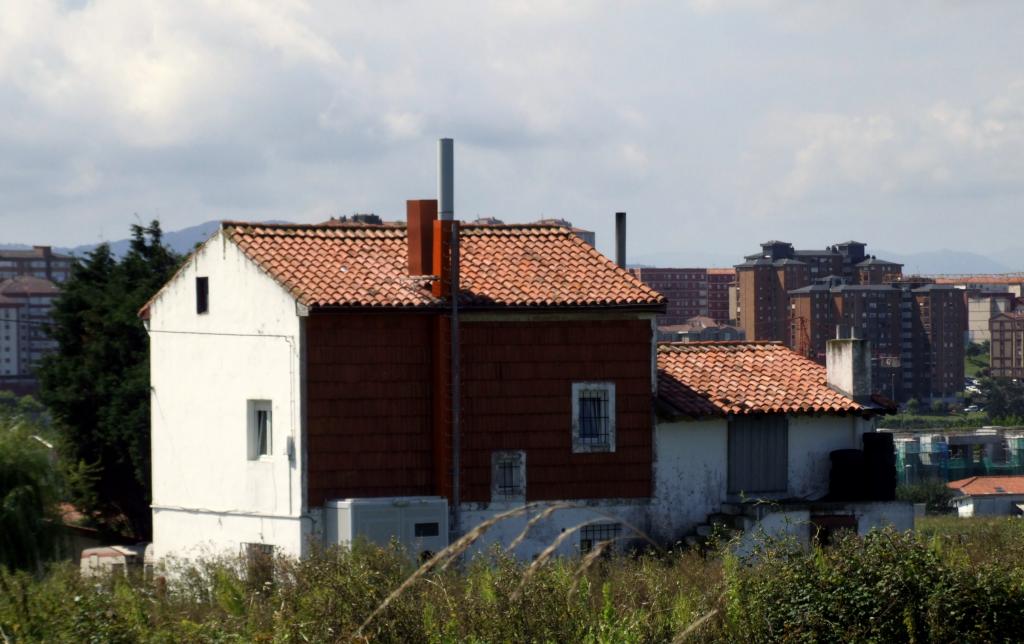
(596,533)
(593,417)
(508,476)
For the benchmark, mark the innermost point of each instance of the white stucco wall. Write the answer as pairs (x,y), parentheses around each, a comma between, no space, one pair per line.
(988,506)
(691,466)
(690,469)
(207,494)
(811,438)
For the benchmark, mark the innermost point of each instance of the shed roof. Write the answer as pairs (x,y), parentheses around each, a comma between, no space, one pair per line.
(988,485)
(720,378)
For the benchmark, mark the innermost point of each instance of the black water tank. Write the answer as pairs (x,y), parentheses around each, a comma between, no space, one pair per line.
(880,466)
(846,478)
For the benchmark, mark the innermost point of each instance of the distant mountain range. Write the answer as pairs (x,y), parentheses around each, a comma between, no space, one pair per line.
(181,241)
(927,263)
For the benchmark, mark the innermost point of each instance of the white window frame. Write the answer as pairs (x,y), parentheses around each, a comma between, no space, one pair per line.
(498,459)
(584,444)
(253,410)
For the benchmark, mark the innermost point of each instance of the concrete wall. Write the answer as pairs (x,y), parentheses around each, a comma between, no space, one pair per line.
(207,494)
(626,512)
(811,438)
(691,466)
(690,471)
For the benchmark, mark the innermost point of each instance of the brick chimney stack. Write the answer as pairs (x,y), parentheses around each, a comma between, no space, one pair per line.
(420,216)
(848,366)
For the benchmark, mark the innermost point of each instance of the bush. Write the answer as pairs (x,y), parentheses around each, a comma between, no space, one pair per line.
(933,493)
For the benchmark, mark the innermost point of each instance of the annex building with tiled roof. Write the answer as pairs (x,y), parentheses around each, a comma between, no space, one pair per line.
(988,496)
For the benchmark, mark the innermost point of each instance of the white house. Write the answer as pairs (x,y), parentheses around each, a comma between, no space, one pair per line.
(303,390)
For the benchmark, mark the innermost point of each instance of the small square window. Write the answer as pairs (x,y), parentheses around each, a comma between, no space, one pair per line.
(593,417)
(508,476)
(202,295)
(260,429)
(594,534)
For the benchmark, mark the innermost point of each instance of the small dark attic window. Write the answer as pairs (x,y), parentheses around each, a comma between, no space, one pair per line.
(202,294)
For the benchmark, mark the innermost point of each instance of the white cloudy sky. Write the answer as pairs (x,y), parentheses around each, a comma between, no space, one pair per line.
(716,124)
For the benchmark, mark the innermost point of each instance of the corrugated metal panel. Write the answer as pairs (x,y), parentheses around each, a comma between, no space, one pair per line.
(758,454)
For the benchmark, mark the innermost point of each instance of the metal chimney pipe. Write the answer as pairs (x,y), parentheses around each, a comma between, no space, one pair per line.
(445,179)
(620,239)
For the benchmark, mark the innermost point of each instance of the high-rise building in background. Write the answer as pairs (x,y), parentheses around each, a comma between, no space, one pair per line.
(691,292)
(1007,347)
(805,297)
(39,262)
(25,306)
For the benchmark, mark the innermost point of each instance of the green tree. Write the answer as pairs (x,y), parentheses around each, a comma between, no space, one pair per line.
(97,384)
(29,491)
(1004,399)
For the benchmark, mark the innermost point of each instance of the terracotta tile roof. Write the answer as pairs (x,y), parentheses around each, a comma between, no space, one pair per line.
(979,485)
(504,266)
(719,378)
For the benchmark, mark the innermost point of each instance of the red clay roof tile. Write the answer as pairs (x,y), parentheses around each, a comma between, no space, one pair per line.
(506,266)
(719,378)
(980,485)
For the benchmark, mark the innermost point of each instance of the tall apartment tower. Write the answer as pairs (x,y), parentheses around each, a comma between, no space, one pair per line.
(915,330)
(765,280)
(691,292)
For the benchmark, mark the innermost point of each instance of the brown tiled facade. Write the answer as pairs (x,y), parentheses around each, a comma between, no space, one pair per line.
(1007,347)
(370,404)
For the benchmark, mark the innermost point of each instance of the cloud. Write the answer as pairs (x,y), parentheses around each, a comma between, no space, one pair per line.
(714,123)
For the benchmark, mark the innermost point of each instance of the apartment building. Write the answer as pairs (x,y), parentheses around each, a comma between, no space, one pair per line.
(764,281)
(1007,332)
(25,304)
(915,330)
(39,262)
(691,292)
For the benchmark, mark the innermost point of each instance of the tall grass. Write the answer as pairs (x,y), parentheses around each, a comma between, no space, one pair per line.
(952,581)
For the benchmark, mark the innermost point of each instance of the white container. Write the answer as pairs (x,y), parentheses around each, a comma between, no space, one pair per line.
(419,523)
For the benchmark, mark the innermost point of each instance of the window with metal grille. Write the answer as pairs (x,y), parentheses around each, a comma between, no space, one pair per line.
(508,476)
(260,429)
(593,417)
(596,533)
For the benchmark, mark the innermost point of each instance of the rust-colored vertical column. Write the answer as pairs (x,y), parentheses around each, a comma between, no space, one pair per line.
(442,385)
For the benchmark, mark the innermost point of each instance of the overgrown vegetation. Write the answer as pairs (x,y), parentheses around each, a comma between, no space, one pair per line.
(934,494)
(30,486)
(97,384)
(956,580)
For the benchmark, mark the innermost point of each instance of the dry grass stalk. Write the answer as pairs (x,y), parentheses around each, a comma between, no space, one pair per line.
(447,555)
(545,555)
(692,628)
(534,520)
(587,562)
